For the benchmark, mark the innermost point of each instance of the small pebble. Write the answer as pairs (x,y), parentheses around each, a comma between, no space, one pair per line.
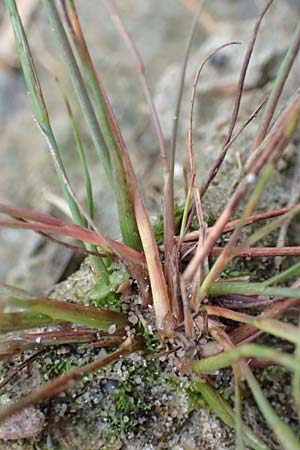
(112,329)
(24,424)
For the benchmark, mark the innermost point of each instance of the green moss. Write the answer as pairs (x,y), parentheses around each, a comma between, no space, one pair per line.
(150,340)
(209,219)
(132,400)
(273,374)
(109,300)
(61,368)
(233,272)
(105,296)
(159,227)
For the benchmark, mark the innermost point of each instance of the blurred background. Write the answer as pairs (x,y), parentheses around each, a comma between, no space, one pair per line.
(160,29)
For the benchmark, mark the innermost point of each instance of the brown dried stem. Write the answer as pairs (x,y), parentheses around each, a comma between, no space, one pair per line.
(65,382)
(273,147)
(215,168)
(140,70)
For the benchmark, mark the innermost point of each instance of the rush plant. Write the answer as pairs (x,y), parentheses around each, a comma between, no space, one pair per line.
(182,276)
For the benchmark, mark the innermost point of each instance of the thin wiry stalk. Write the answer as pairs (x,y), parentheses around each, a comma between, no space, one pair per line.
(198,278)
(49,224)
(248,332)
(19,367)
(81,153)
(197,198)
(260,252)
(126,254)
(269,227)
(239,353)
(218,161)
(42,118)
(239,439)
(77,249)
(275,143)
(169,225)
(183,226)
(138,273)
(206,183)
(228,253)
(79,86)
(222,337)
(282,431)
(193,96)
(108,127)
(280,329)
(257,217)
(242,249)
(23,213)
(34,88)
(289,273)
(188,319)
(296,379)
(140,70)
(243,288)
(239,302)
(278,86)
(172,154)
(208,22)
(226,414)
(97,263)
(293,198)
(243,73)
(216,165)
(54,152)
